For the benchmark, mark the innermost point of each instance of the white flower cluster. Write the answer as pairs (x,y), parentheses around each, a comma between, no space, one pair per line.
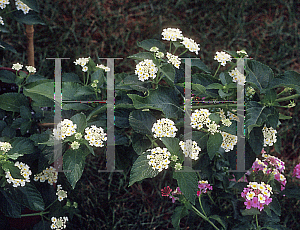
(171,34)
(24,171)
(174,60)
(31,69)
(225,121)
(82,62)
(269,136)
(106,69)
(159,158)
(21,6)
(213,127)
(49,174)
(5,146)
(222,57)
(237,76)
(232,116)
(18,67)
(199,118)
(3,3)
(1,21)
(61,193)
(64,128)
(156,51)
(146,69)
(242,53)
(229,141)
(164,128)
(75,145)
(59,223)
(190,149)
(190,44)
(95,136)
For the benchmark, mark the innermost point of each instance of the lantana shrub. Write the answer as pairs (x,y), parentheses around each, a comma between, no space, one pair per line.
(150,119)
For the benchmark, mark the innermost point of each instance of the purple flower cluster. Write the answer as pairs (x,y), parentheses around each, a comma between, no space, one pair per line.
(257,195)
(296,172)
(203,185)
(166,191)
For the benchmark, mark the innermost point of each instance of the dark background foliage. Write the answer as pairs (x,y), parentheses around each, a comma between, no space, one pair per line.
(268,30)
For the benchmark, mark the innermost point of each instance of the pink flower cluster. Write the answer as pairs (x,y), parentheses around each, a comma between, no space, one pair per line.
(203,185)
(270,165)
(166,191)
(257,195)
(296,172)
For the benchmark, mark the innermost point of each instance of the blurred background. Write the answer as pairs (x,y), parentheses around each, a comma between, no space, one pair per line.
(268,30)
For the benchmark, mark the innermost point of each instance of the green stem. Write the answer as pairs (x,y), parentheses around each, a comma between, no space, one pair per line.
(204,217)
(34,214)
(170,47)
(217,70)
(182,52)
(287,98)
(87,78)
(201,205)
(256,221)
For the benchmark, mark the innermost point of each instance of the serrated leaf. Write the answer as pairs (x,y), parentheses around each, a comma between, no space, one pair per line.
(84,90)
(250,212)
(31,18)
(149,43)
(7,76)
(256,140)
(70,77)
(214,86)
(73,165)
(45,89)
(13,101)
(14,170)
(162,98)
(140,143)
(80,120)
(178,214)
(141,170)
(142,121)
(213,144)
(259,74)
(142,56)
(32,198)
(8,206)
(288,79)
(172,145)
(256,115)
(187,182)
(169,72)
(25,112)
(35,78)
(275,206)
(22,145)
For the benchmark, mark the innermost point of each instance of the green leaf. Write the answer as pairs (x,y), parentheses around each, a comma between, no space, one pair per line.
(31,18)
(7,76)
(25,112)
(200,89)
(69,89)
(9,132)
(8,47)
(140,143)
(215,117)
(231,129)
(187,182)
(217,218)
(122,118)
(8,206)
(14,156)
(283,117)
(288,79)
(201,138)
(214,86)
(142,56)
(75,106)
(31,197)
(45,89)
(98,75)
(223,94)
(13,101)
(39,138)
(226,78)
(256,140)
(149,43)
(271,96)
(99,109)
(162,98)
(172,145)
(256,115)
(213,144)
(141,170)
(259,74)
(14,170)
(73,165)
(168,71)
(80,120)
(70,77)
(178,214)
(275,206)
(142,121)
(84,90)
(199,64)
(22,145)
(35,78)
(250,212)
